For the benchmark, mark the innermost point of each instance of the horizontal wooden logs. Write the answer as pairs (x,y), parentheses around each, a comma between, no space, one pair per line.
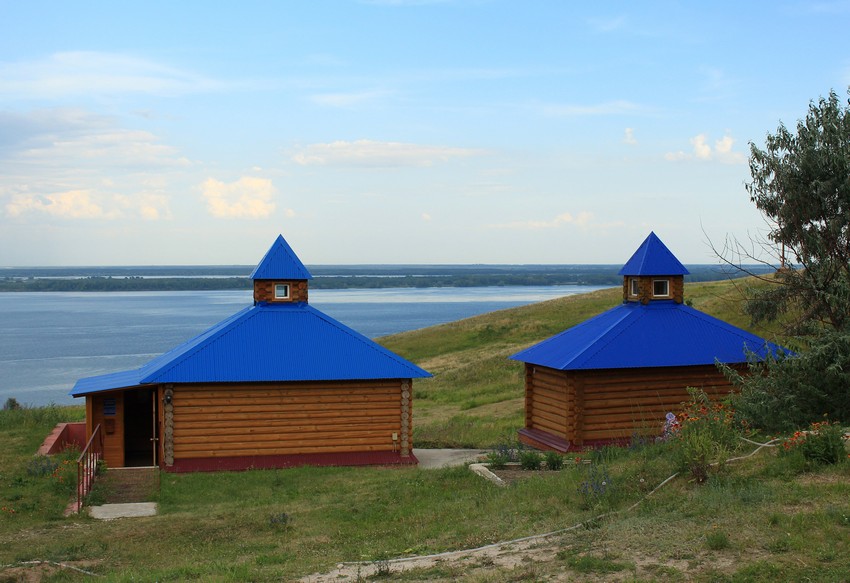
(282,433)
(559,412)
(248,408)
(262,423)
(547,424)
(263,419)
(551,396)
(614,403)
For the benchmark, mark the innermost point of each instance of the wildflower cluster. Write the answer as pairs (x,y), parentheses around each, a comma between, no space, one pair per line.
(596,486)
(717,415)
(671,427)
(7,509)
(702,434)
(64,476)
(822,442)
(60,474)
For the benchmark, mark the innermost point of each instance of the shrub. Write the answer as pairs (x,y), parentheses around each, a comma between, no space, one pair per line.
(823,443)
(530,460)
(497,460)
(707,434)
(554,460)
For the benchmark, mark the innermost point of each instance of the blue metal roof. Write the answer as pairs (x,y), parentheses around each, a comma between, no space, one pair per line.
(280,262)
(266,343)
(634,335)
(653,258)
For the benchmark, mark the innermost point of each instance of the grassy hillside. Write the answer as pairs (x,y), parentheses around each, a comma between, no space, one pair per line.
(770,517)
(475,397)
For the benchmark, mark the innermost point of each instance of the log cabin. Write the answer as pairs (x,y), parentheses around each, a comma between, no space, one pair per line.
(277,384)
(616,375)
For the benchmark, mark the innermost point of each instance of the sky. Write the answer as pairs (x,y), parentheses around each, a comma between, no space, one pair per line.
(456,131)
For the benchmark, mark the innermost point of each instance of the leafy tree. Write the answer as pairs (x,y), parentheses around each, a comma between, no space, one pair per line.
(801,183)
(782,394)
(11,404)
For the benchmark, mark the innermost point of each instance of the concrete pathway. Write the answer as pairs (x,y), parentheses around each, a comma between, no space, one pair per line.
(430,459)
(127,510)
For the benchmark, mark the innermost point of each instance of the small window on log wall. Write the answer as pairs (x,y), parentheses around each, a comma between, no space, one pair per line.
(661,288)
(281,291)
(633,287)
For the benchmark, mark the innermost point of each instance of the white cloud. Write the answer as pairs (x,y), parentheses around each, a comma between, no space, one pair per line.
(73,204)
(378,154)
(89,73)
(426,217)
(151,207)
(89,204)
(74,137)
(582,219)
(722,152)
(701,150)
(72,164)
(248,197)
(629,136)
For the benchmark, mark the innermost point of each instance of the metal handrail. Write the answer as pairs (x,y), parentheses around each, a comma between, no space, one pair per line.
(87,466)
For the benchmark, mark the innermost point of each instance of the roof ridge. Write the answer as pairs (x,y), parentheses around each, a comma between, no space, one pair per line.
(196,344)
(630,310)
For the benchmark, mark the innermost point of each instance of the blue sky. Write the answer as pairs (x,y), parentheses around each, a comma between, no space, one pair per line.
(395,131)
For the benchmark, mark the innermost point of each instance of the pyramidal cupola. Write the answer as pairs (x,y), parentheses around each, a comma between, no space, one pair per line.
(653,274)
(280,277)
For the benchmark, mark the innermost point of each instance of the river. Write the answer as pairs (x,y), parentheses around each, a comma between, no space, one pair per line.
(49,340)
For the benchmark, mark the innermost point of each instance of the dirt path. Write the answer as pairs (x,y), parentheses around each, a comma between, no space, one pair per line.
(505,556)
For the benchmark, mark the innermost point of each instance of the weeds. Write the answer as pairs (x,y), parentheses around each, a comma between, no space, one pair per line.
(497,460)
(716,540)
(554,461)
(42,465)
(280,521)
(596,487)
(530,460)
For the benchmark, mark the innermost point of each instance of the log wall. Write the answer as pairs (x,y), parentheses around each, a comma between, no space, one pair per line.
(549,401)
(613,404)
(295,418)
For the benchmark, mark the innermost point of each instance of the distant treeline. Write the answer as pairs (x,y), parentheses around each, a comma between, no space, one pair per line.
(335,277)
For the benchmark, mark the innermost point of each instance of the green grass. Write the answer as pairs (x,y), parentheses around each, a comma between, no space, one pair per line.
(780,519)
(778,522)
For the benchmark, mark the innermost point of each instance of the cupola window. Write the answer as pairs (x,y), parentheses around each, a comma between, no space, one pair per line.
(634,288)
(281,291)
(661,288)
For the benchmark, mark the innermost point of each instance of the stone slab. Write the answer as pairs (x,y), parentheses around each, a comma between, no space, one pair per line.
(443,458)
(128,510)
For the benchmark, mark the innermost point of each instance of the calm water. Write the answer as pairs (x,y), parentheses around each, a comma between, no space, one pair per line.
(49,340)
